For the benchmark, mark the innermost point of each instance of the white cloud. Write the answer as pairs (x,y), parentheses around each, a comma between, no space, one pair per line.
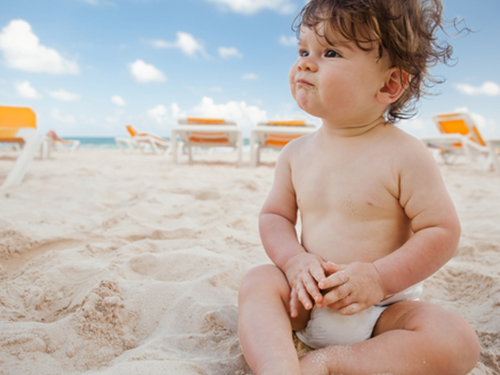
(25,90)
(487,88)
(417,127)
(58,116)
(288,41)
(246,116)
(118,100)
(254,6)
(22,50)
(185,42)
(163,115)
(115,118)
(228,52)
(144,73)
(249,77)
(64,95)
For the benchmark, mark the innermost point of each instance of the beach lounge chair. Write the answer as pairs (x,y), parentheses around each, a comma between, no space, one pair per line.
(205,132)
(143,141)
(58,143)
(18,129)
(459,137)
(275,135)
(494,147)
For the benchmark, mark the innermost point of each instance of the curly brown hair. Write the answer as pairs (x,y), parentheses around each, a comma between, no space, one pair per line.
(404,29)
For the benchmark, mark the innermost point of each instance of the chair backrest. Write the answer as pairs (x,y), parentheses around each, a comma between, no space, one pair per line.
(211,138)
(458,123)
(205,121)
(132,131)
(280,140)
(14,118)
(286,123)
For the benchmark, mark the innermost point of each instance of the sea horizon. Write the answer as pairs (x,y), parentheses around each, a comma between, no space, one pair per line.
(109,142)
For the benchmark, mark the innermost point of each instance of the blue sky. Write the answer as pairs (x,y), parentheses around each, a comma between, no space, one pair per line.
(88,67)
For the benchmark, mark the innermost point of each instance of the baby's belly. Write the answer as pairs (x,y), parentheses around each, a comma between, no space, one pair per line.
(345,241)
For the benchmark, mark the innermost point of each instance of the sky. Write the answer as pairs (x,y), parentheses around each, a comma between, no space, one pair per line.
(89,67)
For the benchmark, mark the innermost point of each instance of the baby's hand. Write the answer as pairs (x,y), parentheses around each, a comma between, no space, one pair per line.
(354,288)
(303,273)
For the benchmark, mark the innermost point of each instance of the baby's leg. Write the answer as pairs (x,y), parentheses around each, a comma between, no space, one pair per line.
(265,328)
(411,337)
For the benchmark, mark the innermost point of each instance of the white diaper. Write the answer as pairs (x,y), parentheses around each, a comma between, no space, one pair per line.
(328,327)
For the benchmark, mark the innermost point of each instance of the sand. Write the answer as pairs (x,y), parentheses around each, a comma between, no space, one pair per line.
(114,263)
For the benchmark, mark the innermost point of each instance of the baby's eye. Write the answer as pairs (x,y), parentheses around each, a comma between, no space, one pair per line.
(332,53)
(303,53)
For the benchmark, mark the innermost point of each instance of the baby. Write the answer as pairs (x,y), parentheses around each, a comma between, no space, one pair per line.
(376,217)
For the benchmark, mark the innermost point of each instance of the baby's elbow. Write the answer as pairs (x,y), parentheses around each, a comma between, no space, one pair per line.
(454,231)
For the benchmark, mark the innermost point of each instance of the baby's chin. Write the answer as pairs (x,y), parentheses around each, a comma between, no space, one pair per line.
(302,100)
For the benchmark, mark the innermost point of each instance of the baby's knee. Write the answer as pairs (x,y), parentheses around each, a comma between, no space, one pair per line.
(465,348)
(266,276)
(454,345)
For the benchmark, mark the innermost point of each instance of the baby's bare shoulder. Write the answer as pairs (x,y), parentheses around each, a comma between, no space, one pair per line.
(406,149)
(298,148)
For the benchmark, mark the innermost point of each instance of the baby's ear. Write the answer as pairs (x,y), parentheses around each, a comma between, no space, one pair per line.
(394,86)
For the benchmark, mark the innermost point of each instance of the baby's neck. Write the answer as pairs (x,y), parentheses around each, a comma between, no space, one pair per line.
(351,130)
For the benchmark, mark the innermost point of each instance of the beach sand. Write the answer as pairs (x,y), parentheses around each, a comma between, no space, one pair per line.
(114,263)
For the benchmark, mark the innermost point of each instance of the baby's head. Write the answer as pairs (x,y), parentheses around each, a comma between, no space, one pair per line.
(402,30)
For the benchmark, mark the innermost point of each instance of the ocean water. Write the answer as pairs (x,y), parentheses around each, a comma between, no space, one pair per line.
(109,142)
(96,142)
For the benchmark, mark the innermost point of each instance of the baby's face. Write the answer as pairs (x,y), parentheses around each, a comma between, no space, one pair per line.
(338,82)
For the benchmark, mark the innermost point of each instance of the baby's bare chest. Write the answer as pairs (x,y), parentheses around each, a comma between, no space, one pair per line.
(362,191)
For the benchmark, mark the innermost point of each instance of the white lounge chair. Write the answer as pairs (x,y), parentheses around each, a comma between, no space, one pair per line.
(275,135)
(494,147)
(18,128)
(460,137)
(143,141)
(58,143)
(204,132)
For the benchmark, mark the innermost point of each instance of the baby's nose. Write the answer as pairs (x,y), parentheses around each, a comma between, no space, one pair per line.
(307,64)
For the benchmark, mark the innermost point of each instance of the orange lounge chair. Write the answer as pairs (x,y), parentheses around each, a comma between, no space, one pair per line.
(18,128)
(275,135)
(460,137)
(143,140)
(207,132)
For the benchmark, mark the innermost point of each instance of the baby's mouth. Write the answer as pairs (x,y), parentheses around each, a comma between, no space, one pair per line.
(302,82)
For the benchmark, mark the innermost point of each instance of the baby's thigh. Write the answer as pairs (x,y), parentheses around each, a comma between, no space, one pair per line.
(423,317)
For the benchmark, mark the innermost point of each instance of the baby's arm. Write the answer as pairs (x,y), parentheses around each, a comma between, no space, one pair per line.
(279,237)
(436,232)
(434,222)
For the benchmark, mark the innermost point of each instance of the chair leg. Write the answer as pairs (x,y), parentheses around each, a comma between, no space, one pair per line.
(494,158)
(17,173)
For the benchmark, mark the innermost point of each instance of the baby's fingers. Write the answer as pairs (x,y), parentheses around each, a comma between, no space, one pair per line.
(317,271)
(352,309)
(332,281)
(312,288)
(335,295)
(304,297)
(331,267)
(294,304)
